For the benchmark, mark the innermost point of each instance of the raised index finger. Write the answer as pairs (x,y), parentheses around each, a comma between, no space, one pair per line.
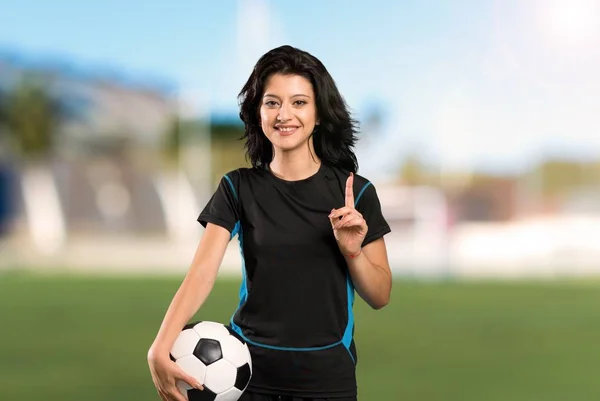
(349,191)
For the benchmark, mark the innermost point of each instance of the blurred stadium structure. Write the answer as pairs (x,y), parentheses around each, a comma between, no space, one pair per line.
(118,180)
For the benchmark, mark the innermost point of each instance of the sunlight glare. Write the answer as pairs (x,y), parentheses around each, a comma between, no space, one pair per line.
(573,21)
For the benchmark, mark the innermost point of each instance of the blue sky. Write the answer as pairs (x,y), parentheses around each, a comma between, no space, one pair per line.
(485,83)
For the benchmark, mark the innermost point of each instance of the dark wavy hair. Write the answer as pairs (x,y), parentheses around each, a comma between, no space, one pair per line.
(336,133)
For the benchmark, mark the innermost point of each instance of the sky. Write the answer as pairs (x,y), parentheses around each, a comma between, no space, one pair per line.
(487,84)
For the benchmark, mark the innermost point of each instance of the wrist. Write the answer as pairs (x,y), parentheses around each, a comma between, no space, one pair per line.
(157,352)
(353,255)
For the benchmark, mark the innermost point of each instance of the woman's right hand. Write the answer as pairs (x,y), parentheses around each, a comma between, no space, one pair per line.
(190,296)
(165,374)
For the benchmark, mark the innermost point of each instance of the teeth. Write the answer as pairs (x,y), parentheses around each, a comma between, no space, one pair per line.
(286,129)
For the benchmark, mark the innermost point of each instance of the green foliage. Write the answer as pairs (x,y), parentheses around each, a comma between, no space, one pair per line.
(227,149)
(561,176)
(226,131)
(552,177)
(32,116)
(64,338)
(179,133)
(172,139)
(412,171)
(3,109)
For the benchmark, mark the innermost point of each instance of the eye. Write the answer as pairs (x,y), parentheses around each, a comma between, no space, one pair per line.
(270,103)
(300,102)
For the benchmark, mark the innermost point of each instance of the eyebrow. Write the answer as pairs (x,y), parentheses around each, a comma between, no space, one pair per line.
(275,96)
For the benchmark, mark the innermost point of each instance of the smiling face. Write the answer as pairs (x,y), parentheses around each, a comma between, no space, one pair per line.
(288,112)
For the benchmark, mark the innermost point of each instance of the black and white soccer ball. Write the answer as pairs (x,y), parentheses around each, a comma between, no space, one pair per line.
(215,355)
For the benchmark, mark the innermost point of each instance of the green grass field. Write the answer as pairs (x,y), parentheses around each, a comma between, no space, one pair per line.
(75,338)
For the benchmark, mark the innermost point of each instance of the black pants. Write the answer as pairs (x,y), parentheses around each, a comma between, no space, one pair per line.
(262,397)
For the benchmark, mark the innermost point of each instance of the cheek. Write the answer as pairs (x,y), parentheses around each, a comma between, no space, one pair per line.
(310,119)
(264,120)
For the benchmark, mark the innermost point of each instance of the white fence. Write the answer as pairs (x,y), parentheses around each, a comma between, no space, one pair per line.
(421,244)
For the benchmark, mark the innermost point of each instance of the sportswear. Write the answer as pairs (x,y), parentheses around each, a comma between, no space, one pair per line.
(296,296)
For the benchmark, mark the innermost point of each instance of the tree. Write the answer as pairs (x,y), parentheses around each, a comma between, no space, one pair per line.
(226,131)
(172,139)
(558,177)
(32,117)
(412,171)
(3,116)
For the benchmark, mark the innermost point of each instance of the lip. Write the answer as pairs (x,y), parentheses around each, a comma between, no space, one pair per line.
(286,133)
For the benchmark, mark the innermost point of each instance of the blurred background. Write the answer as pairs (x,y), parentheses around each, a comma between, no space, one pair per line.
(479,128)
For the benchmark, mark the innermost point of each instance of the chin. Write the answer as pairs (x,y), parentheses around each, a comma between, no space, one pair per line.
(289,143)
(287,147)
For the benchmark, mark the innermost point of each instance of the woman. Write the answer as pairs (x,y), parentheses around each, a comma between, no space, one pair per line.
(310,232)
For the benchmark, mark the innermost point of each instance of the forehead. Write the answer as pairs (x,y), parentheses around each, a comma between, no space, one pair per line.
(282,85)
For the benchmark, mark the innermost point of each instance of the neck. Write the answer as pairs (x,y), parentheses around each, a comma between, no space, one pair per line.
(294,166)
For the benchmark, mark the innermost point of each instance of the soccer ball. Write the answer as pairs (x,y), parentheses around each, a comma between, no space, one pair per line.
(215,355)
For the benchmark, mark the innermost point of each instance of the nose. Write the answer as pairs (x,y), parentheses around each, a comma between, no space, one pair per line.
(284,113)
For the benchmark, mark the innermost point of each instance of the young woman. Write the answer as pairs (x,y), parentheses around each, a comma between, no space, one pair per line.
(310,231)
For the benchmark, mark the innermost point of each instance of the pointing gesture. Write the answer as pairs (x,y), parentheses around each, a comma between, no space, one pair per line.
(349,226)
(350,191)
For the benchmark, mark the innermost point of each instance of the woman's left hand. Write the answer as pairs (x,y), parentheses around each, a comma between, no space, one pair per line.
(349,226)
